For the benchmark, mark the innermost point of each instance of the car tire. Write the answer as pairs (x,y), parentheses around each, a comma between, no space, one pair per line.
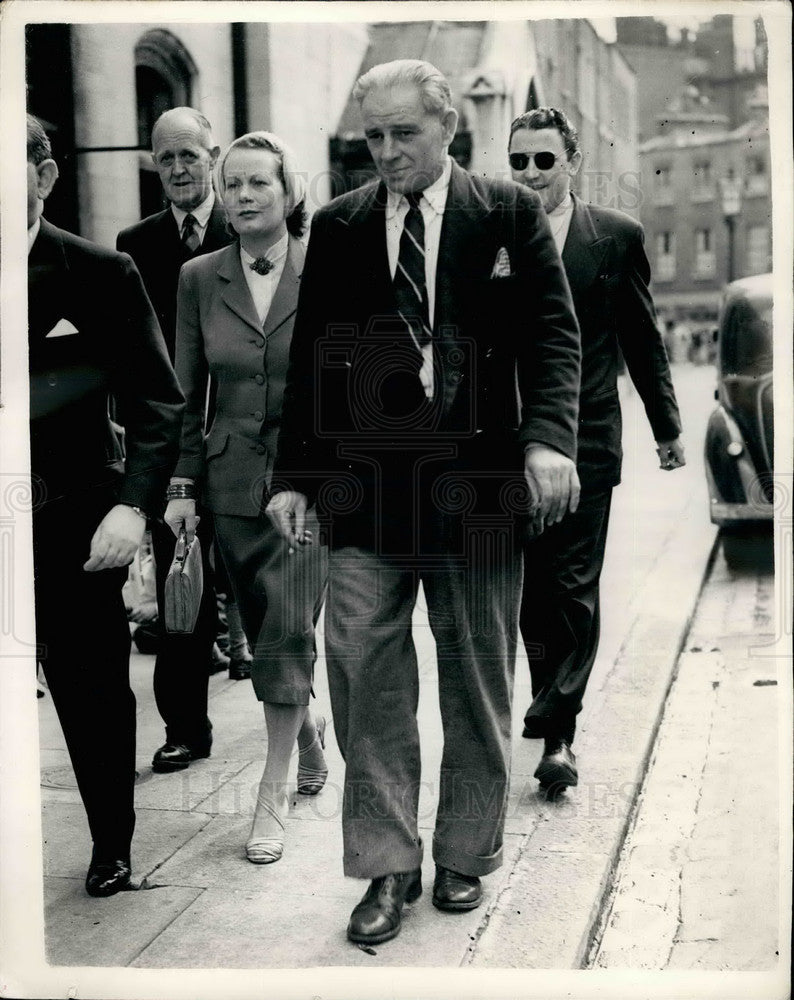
(747,548)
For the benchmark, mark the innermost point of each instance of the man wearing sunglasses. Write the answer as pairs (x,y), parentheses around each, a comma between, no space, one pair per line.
(608,272)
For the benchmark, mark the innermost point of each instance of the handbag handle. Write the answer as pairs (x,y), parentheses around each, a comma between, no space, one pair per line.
(182,547)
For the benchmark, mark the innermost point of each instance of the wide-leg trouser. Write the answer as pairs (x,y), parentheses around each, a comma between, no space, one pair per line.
(84,639)
(373,677)
(560,613)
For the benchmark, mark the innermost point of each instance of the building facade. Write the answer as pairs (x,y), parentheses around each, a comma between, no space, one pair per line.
(100,87)
(706,209)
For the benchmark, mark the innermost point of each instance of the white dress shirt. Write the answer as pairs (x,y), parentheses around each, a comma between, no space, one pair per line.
(560,221)
(201,214)
(431,205)
(33,232)
(263,286)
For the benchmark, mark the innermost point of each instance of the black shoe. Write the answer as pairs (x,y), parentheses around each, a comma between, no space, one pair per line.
(220,661)
(378,916)
(107,877)
(557,767)
(453,891)
(177,756)
(239,670)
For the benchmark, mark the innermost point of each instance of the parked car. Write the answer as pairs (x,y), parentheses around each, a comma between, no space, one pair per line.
(740,435)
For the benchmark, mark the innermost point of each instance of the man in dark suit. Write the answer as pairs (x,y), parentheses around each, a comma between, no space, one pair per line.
(184,153)
(92,334)
(428,299)
(608,272)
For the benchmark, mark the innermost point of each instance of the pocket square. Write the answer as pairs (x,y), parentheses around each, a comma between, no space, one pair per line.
(501,267)
(63,328)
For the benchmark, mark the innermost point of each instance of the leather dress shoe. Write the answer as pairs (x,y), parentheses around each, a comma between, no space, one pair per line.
(454,891)
(557,767)
(378,916)
(219,660)
(107,877)
(177,756)
(239,669)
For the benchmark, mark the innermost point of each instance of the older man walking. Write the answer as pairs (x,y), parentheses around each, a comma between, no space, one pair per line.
(184,153)
(428,298)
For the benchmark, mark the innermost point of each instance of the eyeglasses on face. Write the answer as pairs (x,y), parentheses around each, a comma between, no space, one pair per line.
(543,161)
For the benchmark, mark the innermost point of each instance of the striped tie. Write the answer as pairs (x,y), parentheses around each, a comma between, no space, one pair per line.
(190,237)
(410,289)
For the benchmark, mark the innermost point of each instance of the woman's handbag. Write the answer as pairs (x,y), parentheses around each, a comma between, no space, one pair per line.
(184,586)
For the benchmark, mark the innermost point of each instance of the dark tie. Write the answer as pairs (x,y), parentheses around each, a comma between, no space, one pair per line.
(410,289)
(190,237)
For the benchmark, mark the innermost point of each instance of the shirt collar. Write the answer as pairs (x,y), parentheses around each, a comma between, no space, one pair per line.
(436,193)
(274,254)
(201,213)
(33,232)
(566,205)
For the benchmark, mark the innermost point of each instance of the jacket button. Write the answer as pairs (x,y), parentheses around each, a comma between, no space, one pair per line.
(259,415)
(259,342)
(259,379)
(260,449)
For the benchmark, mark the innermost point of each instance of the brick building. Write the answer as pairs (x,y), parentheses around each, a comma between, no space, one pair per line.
(694,248)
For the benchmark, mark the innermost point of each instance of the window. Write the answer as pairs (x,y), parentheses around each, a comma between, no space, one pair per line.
(757,181)
(705,263)
(663,186)
(702,181)
(665,256)
(758,250)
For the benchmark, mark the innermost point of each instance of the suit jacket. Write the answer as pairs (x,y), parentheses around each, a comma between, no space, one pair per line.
(155,245)
(608,272)
(219,334)
(110,344)
(506,355)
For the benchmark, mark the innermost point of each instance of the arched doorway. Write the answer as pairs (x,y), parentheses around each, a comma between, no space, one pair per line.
(164,78)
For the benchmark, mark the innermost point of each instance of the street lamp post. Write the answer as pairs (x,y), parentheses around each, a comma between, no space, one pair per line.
(731,193)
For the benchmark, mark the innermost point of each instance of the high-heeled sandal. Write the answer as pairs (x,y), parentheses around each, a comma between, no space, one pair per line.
(312,779)
(266,850)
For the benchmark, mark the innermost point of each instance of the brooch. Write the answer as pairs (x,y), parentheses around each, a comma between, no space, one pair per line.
(262,265)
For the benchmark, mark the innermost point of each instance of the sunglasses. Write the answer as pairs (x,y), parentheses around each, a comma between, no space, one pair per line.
(543,161)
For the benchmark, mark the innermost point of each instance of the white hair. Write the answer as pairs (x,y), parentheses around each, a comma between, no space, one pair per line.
(432,84)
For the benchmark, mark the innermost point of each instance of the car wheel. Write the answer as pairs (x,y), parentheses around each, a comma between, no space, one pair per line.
(747,548)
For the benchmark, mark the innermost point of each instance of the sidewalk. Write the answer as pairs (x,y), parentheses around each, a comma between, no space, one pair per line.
(204,906)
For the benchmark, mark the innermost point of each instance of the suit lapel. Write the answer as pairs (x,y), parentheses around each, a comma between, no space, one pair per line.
(47,268)
(235,290)
(285,300)
(584,249)
(366,232)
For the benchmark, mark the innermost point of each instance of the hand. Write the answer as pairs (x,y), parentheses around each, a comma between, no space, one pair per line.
(182,514)
(116,540)
(553,483)
(671,454)
(287,513)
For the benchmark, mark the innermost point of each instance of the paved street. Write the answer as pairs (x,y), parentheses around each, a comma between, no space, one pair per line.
(202,906)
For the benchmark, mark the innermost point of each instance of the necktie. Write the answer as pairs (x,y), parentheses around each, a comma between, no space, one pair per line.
(410,289)
(190,237)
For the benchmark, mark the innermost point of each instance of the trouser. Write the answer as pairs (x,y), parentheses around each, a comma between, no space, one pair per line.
(87,670)
(373,677)
(183,665)
(560,614)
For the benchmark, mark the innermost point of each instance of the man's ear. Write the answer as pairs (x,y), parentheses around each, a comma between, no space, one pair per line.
(214,153)
(449,123)
(574,163)
(46,176)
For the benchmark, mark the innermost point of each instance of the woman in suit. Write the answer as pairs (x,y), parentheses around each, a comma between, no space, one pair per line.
(235,313)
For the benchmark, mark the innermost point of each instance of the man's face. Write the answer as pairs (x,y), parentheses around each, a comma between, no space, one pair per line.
(183,162)
(407,143)
(554,183)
